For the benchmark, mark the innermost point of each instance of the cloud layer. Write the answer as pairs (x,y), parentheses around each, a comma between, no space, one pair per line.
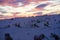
(31,8)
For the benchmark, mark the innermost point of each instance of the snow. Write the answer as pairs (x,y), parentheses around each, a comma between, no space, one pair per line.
(26,31)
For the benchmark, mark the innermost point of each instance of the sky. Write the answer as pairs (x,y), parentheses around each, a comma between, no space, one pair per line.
(28,8)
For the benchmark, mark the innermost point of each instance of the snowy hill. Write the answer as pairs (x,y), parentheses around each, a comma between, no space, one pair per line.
(31,28)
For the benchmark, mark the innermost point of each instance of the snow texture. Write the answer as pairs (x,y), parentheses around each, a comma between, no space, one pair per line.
(32,28)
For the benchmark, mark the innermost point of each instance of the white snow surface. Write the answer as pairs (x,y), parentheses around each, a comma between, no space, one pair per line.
(27,31)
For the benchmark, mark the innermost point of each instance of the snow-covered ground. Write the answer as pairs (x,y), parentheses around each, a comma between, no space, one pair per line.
(27,28)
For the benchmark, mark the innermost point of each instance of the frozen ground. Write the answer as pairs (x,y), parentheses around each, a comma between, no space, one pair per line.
(27,28)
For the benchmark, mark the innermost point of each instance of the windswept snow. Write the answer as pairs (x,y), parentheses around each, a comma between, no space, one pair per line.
(27,28)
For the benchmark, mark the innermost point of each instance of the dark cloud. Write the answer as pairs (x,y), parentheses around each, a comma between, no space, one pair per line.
(6,1)
(1,1)
(41,5)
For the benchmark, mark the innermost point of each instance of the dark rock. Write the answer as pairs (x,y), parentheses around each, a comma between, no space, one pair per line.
(36,38)
(55,36)
(46,24)
(42,36)
(17,25)
(8,37)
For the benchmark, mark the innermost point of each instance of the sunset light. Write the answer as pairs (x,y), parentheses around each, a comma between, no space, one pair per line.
(29,19)
(20,9)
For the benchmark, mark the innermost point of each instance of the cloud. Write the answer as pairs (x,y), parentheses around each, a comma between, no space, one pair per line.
(54,0)
(55,6)
(30,9)
(42,5)
(19,9)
